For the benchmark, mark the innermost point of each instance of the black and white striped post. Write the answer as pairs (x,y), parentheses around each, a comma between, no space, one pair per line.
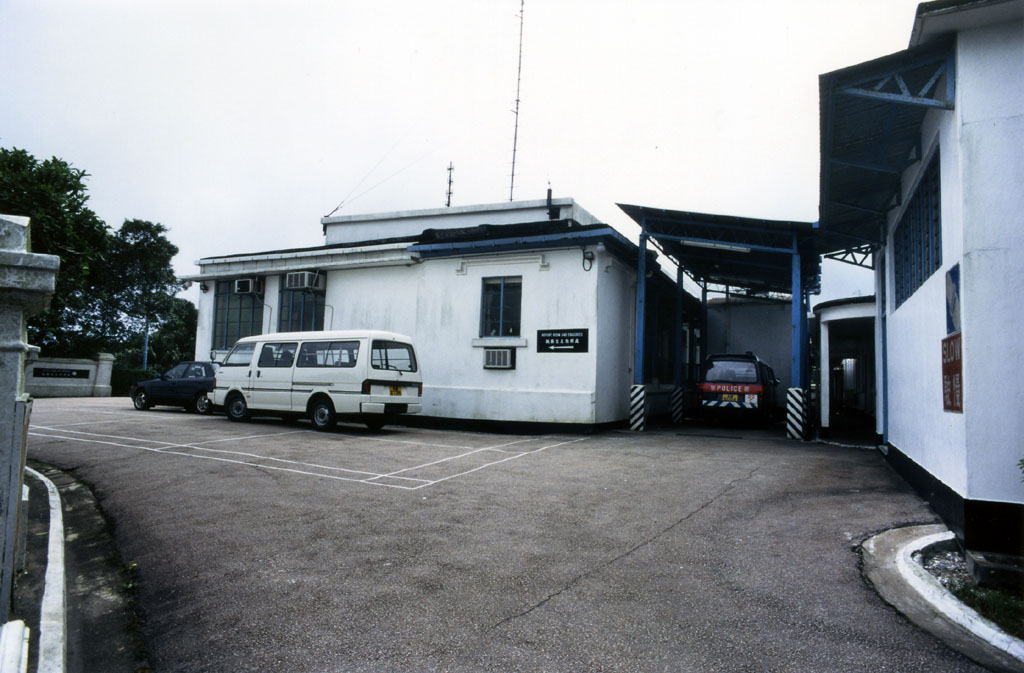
(796,413)
(677,405)
(637,408)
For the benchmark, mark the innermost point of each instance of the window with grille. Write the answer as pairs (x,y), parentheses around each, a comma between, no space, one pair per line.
(501,306)
(917,241)
(301,310)
(235,315)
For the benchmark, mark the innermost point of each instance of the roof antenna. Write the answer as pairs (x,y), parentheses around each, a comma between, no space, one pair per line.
(451,167)
(519,77)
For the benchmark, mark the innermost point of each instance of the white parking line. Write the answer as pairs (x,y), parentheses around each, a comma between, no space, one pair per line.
(259,461)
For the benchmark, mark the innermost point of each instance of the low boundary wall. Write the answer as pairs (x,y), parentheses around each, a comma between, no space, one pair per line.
(69,377)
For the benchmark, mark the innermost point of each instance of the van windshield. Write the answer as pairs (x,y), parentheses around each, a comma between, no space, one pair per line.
(392,355)
(731,371)
(241,354)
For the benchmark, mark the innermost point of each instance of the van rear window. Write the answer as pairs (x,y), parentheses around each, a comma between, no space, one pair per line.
(328,354)
(731,371)
(392,355)
(240,355)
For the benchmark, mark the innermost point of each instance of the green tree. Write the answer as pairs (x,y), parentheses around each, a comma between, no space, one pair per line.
(139,282)
(173,342)
(53,194)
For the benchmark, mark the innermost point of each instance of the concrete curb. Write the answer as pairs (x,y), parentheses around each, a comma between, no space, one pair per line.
(52,615)
(904,584)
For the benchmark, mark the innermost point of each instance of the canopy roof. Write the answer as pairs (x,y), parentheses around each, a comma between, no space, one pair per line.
(740,252)
(871,116)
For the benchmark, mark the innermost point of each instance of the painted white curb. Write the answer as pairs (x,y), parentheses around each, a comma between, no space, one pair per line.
(53,640)
(14,647)
(942,600)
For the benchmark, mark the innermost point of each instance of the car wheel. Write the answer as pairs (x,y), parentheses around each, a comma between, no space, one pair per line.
(374,424)
(322,414)
(141,400)
(236,409)
(202,404)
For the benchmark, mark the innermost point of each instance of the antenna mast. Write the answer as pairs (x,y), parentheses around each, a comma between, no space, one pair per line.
(451,167)
(519,77)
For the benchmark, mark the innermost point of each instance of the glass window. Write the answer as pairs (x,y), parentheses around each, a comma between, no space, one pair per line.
(392,355)
(501,306)
(277,355)
(301,310)
(235,315)
(917,241)
(328,354)
(732,371)
(176,372)
(241,354)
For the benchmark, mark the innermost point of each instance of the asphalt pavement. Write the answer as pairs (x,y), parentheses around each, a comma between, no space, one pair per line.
(196,544)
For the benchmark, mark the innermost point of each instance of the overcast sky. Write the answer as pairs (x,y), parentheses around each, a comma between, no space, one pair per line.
(239,124)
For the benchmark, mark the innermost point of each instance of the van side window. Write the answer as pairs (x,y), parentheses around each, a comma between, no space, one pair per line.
(240,355)
(392,355)
(328,354)
(277,355)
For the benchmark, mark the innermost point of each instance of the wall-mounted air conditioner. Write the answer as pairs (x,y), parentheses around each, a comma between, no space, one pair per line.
(248,286)
(499,358)
(304,280)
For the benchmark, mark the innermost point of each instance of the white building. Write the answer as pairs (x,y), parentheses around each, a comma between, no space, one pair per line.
(520,311)
(923,163)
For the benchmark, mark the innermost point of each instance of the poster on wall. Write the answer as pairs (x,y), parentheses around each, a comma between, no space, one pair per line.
(953,299)
(952,346)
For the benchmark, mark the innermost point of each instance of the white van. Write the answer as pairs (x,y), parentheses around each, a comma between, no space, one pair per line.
(367,376)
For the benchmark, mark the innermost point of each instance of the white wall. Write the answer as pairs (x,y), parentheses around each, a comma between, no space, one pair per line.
(982,170)
(437,302)
(764,329)
(991,114)
(615,338)
(918,425)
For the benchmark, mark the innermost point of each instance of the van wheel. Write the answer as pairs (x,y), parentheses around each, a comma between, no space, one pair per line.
(236,409)
(374,424)
(322,414)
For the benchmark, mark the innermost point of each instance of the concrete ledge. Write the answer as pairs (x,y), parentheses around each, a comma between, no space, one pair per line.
(913,591)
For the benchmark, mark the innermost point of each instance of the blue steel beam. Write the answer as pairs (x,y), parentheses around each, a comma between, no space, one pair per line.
(641,293)
(561,240)
(677,329)
(796,369)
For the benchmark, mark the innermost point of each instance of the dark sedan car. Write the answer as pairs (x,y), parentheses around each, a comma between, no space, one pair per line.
(187,384)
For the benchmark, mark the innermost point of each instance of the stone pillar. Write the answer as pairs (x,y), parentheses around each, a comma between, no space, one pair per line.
(104,365)
(26,285)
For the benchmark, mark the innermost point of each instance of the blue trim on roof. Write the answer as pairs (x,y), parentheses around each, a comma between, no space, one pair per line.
(560,240)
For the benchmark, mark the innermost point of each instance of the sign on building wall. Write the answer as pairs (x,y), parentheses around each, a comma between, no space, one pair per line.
(952,374)
(563,341)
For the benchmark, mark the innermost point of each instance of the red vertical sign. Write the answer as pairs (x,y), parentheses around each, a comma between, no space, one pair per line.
(952,374)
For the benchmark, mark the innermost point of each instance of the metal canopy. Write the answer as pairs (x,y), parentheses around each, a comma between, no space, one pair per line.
(871,116)
(735,251)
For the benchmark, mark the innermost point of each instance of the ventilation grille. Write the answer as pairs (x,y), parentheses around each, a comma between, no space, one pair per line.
(499,358)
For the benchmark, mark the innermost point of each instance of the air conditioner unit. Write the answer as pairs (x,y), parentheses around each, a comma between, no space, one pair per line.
(247,286)
(499,358)
(304,280)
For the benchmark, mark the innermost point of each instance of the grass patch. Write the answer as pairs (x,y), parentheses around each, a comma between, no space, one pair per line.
(1003,607)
